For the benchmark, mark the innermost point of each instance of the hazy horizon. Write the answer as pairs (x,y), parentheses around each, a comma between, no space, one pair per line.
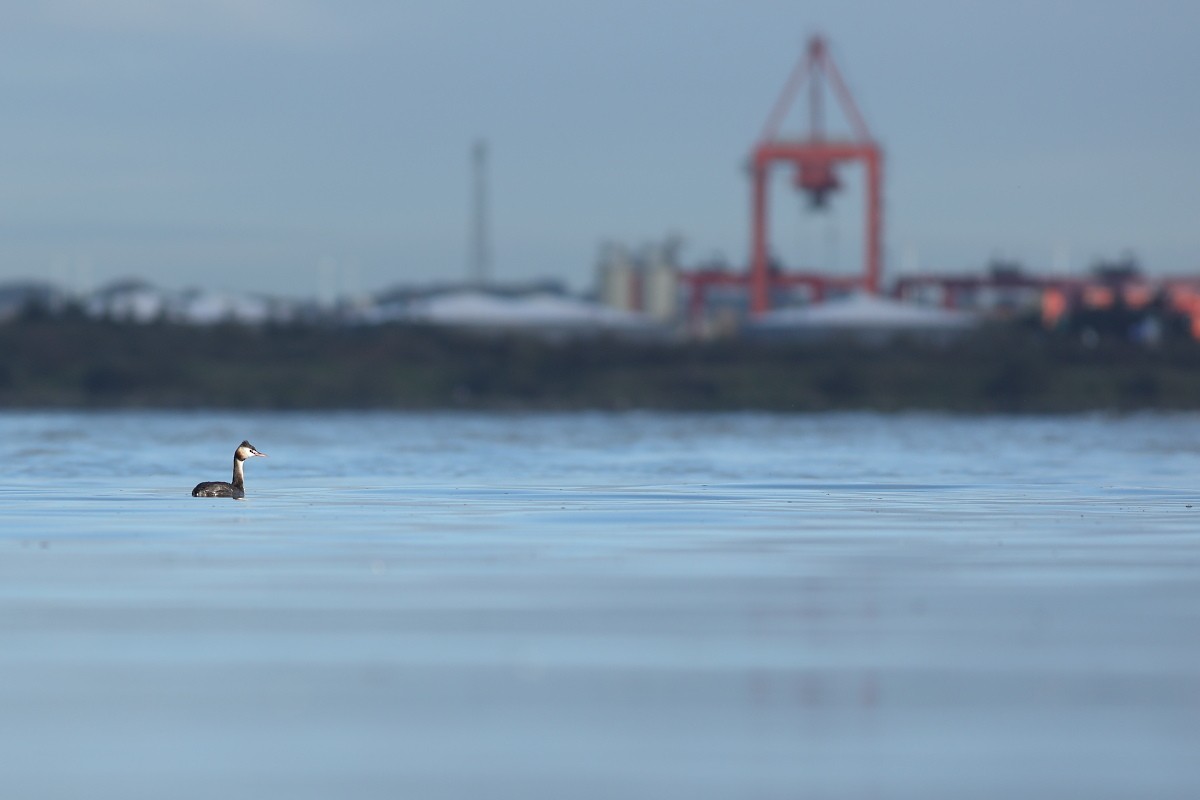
(304,147)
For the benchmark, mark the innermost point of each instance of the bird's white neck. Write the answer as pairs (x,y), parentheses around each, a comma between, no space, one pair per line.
(239,478)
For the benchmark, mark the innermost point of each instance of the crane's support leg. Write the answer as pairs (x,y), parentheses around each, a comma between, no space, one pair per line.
(759,279)
(874,254)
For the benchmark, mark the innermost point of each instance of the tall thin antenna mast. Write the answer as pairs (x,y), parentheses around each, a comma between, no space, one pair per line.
(480,250)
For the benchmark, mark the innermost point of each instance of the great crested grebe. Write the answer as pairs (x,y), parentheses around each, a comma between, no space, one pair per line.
(237,489)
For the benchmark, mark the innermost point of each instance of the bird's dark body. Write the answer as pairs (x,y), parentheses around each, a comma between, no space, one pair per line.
(218,489)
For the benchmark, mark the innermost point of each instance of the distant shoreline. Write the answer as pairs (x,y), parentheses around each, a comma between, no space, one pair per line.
(78,363)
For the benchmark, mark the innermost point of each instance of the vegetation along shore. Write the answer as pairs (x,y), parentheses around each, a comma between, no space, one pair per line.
(77,362)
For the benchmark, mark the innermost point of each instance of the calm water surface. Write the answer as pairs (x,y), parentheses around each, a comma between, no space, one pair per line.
(600,606)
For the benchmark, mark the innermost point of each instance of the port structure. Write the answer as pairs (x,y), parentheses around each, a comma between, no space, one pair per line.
(815,158)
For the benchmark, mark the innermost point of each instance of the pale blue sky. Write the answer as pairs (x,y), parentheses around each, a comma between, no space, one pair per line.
(244,143)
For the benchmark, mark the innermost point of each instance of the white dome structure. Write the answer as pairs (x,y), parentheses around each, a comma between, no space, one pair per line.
(863,315)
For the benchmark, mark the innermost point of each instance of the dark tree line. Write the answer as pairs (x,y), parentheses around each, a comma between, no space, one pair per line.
(74,362)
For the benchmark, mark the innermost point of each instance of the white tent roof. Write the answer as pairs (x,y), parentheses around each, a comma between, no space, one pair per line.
(208,308)
(538,310)
(866,312)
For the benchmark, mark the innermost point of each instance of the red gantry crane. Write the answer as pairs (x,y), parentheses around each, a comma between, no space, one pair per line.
(815,159)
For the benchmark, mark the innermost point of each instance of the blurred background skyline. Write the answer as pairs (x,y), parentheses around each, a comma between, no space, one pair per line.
(273,146)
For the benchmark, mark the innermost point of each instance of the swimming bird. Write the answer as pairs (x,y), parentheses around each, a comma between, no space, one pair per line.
(236,489)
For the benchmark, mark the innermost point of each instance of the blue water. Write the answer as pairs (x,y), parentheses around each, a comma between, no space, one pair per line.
(600,606)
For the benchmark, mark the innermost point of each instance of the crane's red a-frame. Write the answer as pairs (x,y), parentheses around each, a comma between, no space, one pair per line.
(815,158)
